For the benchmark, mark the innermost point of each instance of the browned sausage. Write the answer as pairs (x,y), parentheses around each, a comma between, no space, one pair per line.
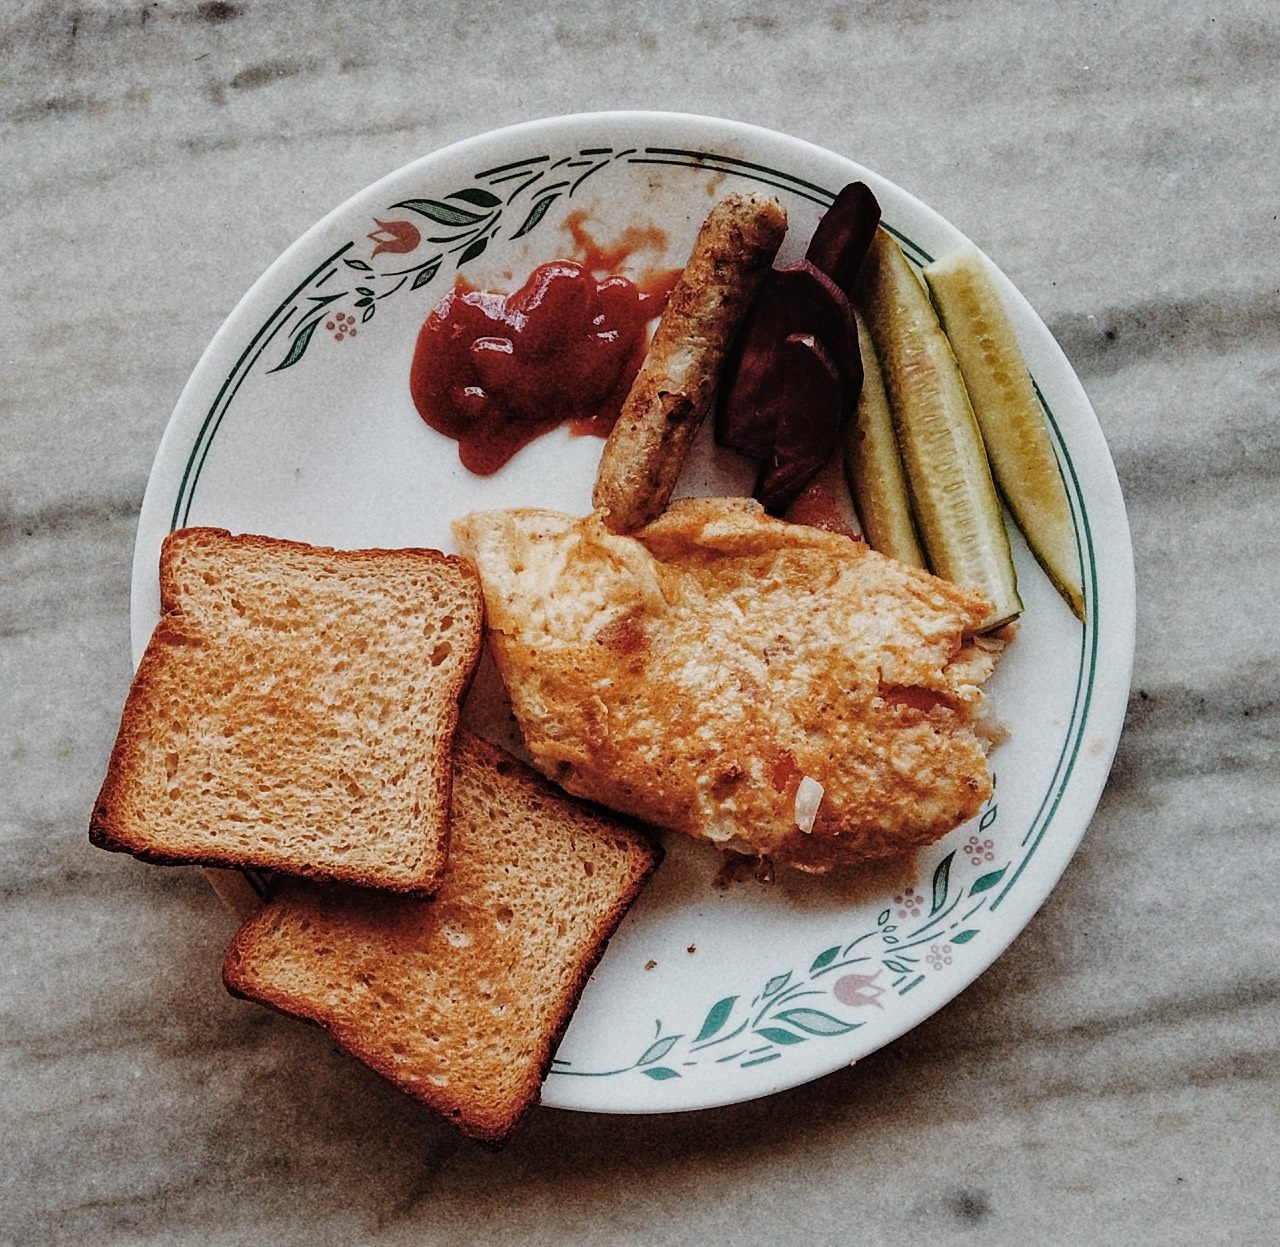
(673,388)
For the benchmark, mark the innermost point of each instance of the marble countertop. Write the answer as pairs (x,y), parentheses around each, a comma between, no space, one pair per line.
(1114,1077)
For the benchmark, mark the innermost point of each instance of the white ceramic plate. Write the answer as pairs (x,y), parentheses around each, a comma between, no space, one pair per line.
(293,427)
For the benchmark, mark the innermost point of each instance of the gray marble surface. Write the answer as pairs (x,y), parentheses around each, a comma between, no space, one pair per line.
(1114,1077)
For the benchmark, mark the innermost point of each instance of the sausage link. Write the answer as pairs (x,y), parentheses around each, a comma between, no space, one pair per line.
(672,391)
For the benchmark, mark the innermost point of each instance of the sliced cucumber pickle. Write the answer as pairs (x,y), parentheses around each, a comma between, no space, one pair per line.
(953,497)
(1009,414)
(873,466)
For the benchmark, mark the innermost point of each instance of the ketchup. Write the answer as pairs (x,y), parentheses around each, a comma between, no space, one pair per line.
(497,371)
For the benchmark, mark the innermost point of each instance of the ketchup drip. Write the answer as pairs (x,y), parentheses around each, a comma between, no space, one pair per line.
(496,371)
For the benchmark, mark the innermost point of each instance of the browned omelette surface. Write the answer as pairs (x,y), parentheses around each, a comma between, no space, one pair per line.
(694,673)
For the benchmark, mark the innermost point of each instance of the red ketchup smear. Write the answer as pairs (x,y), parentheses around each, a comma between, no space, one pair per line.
(496,371)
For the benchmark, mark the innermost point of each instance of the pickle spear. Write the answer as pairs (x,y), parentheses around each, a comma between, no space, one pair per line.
(1009,415)
(952,494)
(873,466)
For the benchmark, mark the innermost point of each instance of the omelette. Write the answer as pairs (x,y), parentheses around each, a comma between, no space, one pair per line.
(775,689)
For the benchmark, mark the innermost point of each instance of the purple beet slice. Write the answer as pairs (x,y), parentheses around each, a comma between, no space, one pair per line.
(746,404)
(808,414)
(796,299)
(844,234)
(817,305)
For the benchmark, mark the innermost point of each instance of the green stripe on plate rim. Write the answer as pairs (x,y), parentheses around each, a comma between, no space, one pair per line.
(213,419)
(760,174)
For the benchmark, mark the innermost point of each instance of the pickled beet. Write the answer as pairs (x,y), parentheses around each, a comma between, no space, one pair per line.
(795,373)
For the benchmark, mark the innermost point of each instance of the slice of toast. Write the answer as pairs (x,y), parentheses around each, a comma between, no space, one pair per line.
(460,1001)
(295,711)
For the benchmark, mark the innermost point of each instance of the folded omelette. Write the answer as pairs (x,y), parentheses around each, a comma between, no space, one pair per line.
(776,689)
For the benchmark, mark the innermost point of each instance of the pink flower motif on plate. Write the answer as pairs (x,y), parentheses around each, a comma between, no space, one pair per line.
(979,850)
(394,236)
(909,903)
(341,326)
(858,990)
(939,956)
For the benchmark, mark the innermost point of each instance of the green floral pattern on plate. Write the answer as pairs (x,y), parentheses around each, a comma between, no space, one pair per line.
(747,1032)
(509,200)
(459,226)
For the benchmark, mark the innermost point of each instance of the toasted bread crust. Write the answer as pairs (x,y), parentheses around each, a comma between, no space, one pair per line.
(119,822)
(250,972)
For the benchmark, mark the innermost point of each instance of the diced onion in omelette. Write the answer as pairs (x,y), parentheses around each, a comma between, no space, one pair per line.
(736,677)
(809,795)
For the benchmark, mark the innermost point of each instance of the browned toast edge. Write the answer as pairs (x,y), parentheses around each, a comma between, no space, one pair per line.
(349,1038)
(105,831)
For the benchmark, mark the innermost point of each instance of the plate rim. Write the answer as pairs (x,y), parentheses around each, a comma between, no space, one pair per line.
(1086,785)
